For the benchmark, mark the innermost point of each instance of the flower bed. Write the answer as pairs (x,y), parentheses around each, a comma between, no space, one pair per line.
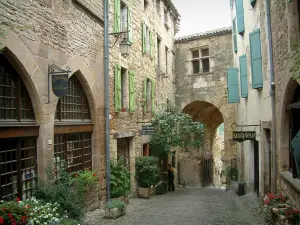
(278,210)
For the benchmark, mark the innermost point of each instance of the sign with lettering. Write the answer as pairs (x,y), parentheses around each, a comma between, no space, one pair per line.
(60,84)
(148,130)
(241,136)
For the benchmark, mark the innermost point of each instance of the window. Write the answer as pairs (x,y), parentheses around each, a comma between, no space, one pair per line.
(147,40)
(124,25)
(200,61)
(124,88)
(158,46)
(149,93)
(146,6)
(166,21)
(73,130)
(166,58)
(158,5)
(18,148)
(123,150)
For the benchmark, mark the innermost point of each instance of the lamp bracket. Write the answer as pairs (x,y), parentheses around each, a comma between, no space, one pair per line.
(118,34)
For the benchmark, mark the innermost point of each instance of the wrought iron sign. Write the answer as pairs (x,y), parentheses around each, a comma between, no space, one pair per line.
(59,80)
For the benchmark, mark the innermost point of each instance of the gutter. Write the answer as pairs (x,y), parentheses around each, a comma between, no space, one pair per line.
(106,75)
(272,94)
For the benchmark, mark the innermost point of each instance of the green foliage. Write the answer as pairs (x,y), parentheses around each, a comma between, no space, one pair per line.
(119,178)
(161,188)
(146,171)
(115,204)
(68,191)
(12,211)
(231,173)
(175,128)
(69,222)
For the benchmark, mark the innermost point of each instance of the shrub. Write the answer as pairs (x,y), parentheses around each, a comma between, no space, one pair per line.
(119,179)
(146,171)
(12,213)
(115,204)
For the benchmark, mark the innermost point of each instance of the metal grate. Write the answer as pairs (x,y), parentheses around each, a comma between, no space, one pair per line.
(74,105)
(15,104)
(17,167)
(73,151)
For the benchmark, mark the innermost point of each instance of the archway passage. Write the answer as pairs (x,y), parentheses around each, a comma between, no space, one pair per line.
(202,167)
(73,129)
(18,135)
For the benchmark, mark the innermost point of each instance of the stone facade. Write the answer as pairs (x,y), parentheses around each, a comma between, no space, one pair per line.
(67,34)
(201,92)
(285,33)
(125,126)
(251,168)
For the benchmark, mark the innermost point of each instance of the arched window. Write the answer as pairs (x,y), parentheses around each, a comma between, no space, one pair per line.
(73,129)
(18,135)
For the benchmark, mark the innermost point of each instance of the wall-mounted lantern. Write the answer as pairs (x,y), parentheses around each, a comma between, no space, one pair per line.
(124,44)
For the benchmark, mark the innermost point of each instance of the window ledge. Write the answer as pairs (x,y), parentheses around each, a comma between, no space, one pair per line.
(200,74)
(287,176)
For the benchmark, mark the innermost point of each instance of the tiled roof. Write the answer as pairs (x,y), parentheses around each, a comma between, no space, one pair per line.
(203,34)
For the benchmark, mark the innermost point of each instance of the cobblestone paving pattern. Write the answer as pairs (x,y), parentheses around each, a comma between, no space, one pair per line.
(193,206)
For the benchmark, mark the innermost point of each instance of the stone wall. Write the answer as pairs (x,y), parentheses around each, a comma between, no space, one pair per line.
(204,95)
(126,124)
(285,34)
(64,33)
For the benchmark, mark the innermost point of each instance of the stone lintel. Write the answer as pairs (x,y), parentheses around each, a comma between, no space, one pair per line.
(124,134)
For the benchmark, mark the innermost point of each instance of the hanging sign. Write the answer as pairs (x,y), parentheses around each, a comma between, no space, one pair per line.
(148,130)
(59,79)
(241,136)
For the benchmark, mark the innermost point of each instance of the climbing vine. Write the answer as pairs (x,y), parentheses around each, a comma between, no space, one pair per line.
(175,128)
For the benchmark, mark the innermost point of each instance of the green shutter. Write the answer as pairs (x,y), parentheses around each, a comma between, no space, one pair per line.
(144,37)
(151,45)
(152,96)
(145,95)
(243,76)
(131,92)
(240,16)
(118,87)
(252,2)
(129,24)
(233,85)
(256,59)
(235,46)
(117,18)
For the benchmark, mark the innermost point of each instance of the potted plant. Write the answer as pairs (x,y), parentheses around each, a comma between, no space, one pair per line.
(115,209)
(146,174)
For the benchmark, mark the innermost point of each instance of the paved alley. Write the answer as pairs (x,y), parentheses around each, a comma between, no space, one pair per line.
(193,206)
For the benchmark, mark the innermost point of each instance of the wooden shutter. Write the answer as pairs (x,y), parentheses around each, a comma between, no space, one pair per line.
(118,86)
(240,16)
(235,46)
(252,2)
(152,96)
(243,76)
(233,85)
(129,24)
(144,37)
(117,16)
(256,59)
(131,92)
(145,95)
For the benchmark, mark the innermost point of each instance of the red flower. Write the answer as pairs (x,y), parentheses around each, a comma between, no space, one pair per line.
(3,208)
(266,201)
(1,220)
(28,206)
(76,175)
(14,223)
(18,199)
(9,215)
(94,175)
(23,218)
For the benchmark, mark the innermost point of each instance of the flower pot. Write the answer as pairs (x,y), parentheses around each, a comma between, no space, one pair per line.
(114,213)
(144,192)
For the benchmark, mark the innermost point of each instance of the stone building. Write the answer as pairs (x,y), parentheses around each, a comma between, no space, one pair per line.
(249,89)
(142,80)
(286,34)
(37,130)
(200,65)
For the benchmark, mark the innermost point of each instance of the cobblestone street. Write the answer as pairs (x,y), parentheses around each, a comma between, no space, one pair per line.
(191,206)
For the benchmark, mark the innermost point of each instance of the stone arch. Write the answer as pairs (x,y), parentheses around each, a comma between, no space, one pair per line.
(284,125)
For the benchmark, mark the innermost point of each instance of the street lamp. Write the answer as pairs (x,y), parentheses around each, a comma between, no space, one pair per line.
(125,47)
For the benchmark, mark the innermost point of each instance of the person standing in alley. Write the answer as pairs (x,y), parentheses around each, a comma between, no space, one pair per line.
(171,177)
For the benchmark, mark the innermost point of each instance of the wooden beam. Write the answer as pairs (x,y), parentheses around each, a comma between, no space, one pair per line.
(76,128)
(19,131)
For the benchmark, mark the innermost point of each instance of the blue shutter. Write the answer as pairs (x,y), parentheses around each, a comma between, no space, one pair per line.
(252,2)
(233,85)
(256,60)
(243,76)
(240,16)
(235,46)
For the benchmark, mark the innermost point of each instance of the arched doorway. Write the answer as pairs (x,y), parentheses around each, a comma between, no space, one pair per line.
(73,130)
(18,135)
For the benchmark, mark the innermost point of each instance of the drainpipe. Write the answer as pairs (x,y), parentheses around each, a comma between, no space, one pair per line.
(272,94)
(106,75)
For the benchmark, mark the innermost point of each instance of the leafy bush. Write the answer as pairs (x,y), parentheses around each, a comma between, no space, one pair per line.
(68,191)
(12,213)
(146,171)
(119,178)
(115,204)
(161,187)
